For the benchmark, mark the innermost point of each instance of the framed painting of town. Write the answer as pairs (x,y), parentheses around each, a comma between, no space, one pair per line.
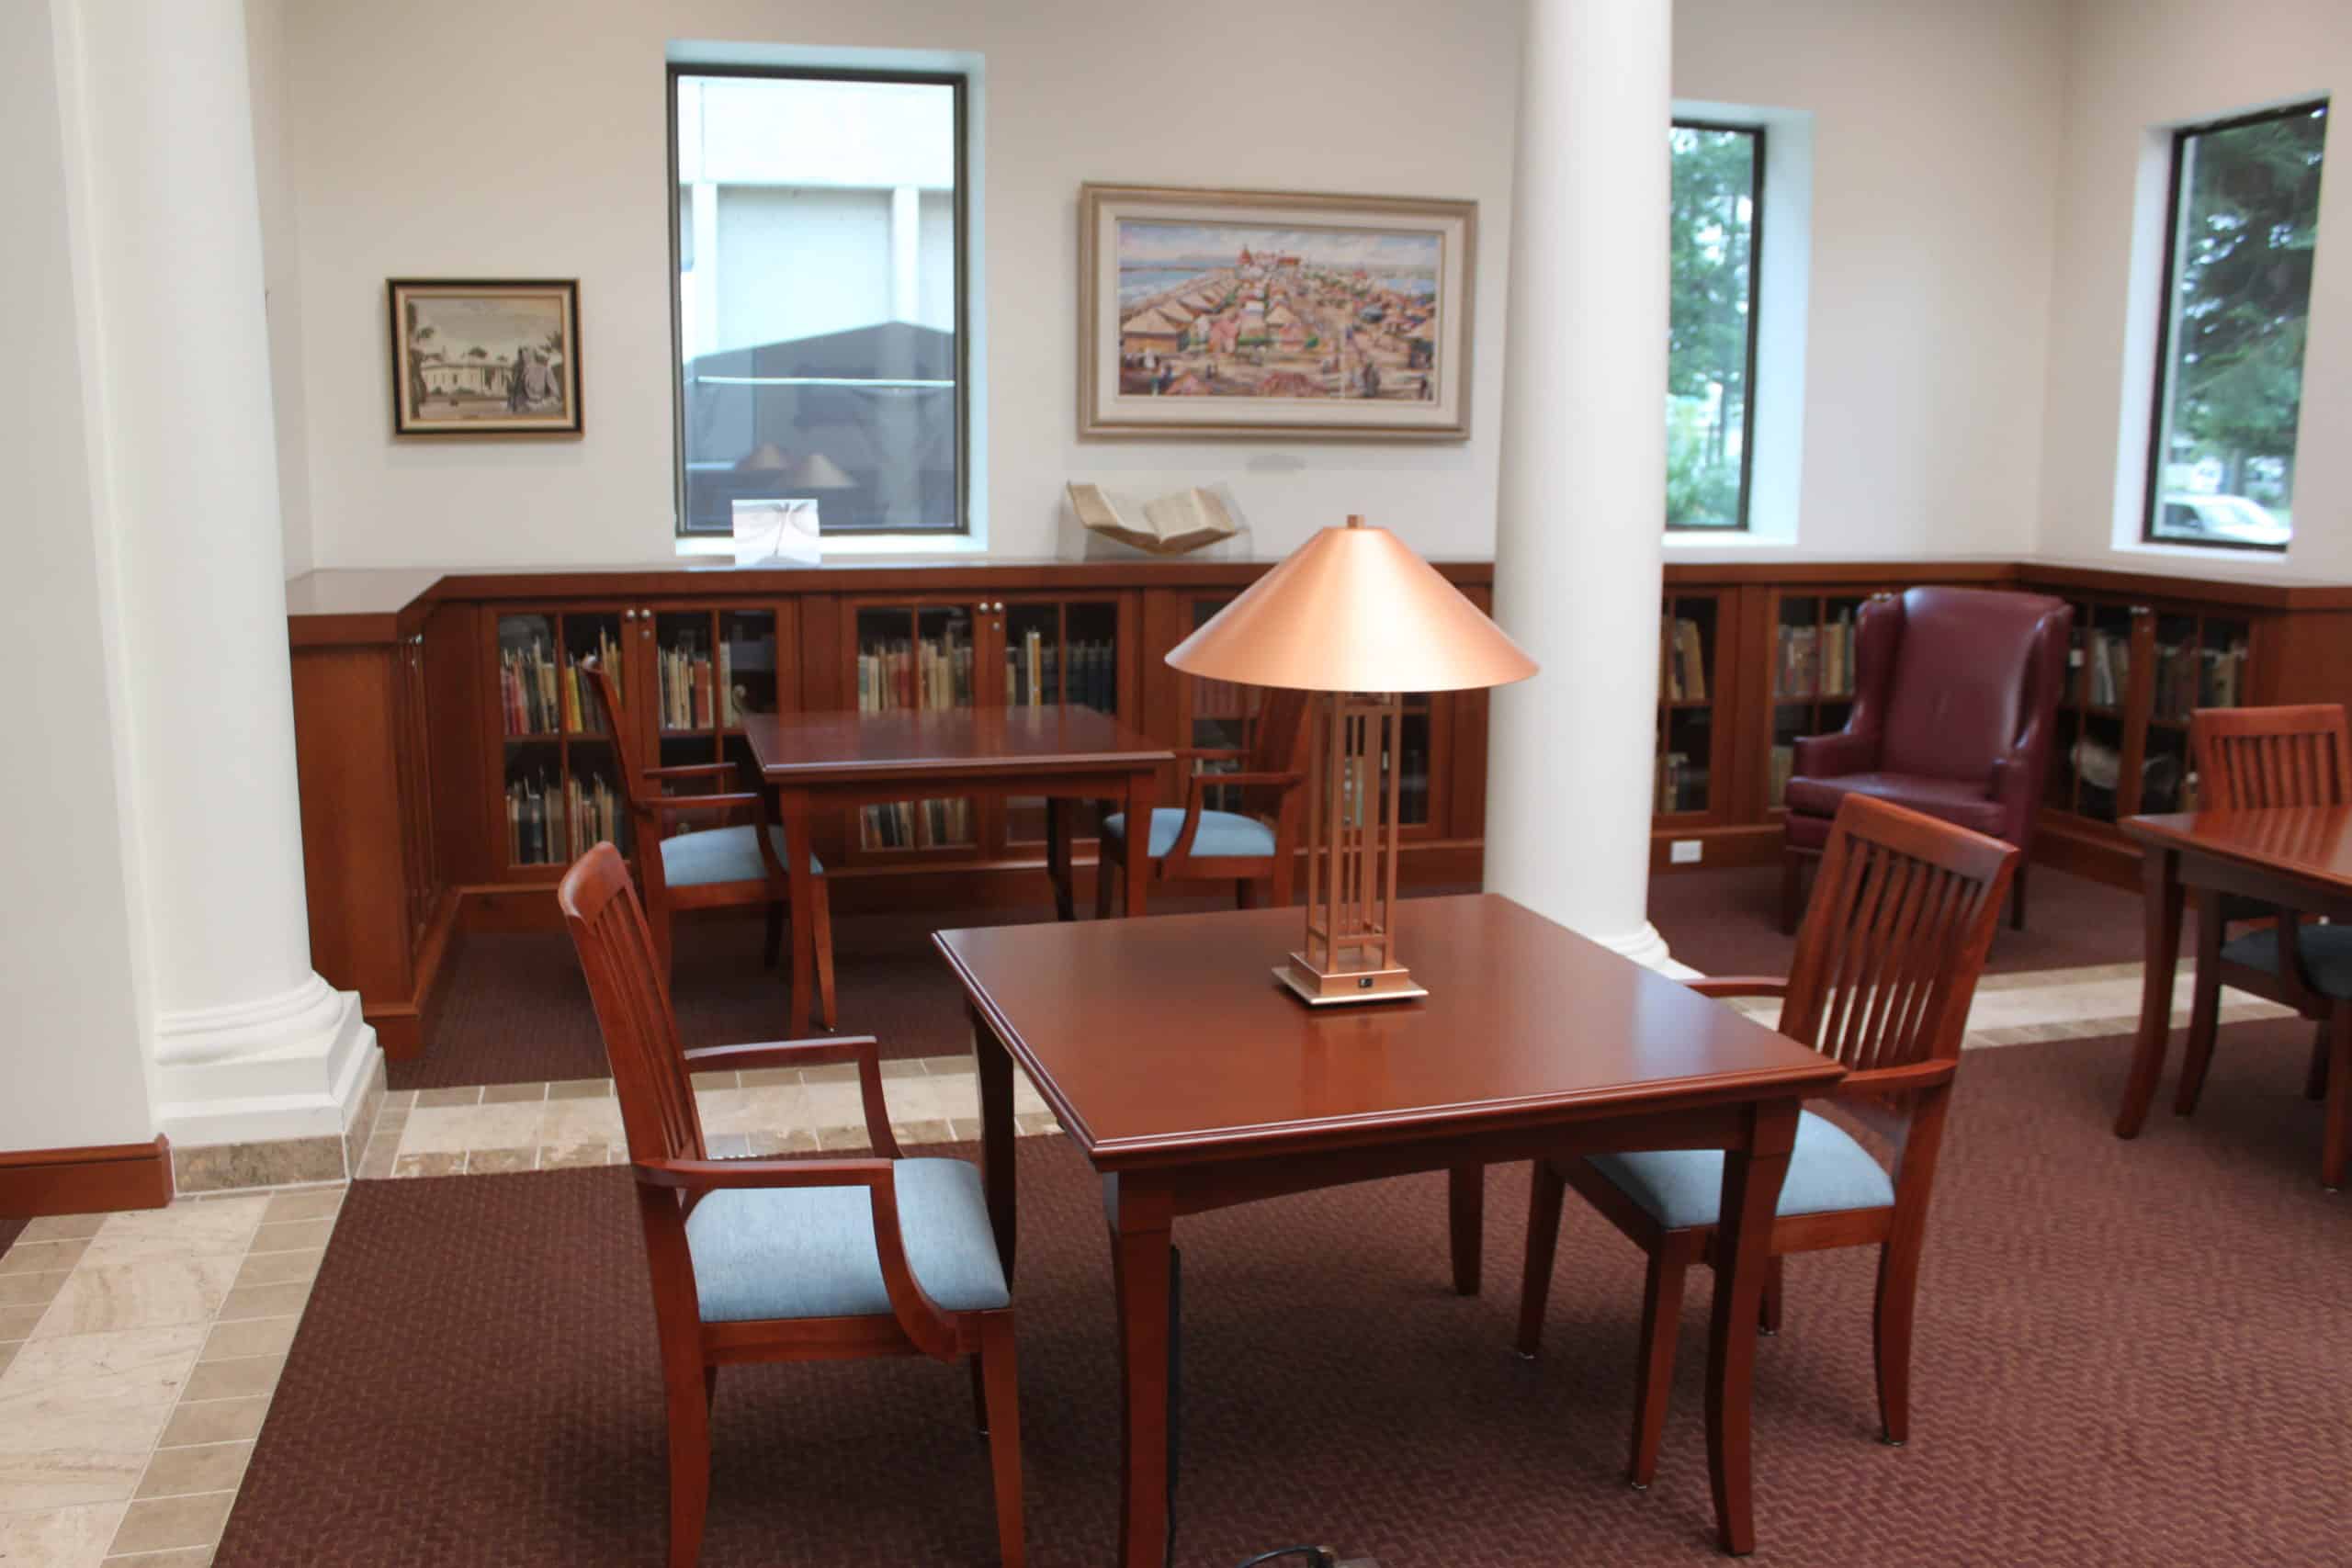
(1274,314)
(485,357)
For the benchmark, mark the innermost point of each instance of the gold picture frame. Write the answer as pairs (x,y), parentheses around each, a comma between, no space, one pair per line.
(1273,315)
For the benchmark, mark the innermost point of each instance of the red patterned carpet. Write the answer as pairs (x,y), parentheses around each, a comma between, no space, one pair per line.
(2130,1354)
(516,1010)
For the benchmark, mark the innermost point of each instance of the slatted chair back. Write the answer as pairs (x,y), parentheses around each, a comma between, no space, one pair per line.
(2260,759)
(1893,943)
(633,1011)
(1277,745)
(607,698)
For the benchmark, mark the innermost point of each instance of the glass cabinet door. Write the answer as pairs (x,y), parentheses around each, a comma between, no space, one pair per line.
(923,658)
(561,781)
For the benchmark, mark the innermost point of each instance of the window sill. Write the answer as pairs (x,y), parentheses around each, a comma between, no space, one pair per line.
(842,546)
(1725,539)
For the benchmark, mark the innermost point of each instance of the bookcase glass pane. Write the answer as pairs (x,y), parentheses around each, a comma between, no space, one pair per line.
(685,678)
(2098,766)
(1090,656)
(589,635)
(1413,746)
(527,674)
(1796,662)
(2177,667)
(1791,723)
(536,830)
(1687,651)
(2078,661)
(594,805)
(2221,656)
(1032,655)
(2059,792)
(749,675)
(2107,657)
(1836,651)
(2164,784)
(921,658)
(1683,782)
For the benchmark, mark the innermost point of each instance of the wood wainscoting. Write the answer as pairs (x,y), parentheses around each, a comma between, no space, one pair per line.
(94,1179)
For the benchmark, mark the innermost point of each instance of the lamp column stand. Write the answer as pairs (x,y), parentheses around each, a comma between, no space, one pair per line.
(1351,952)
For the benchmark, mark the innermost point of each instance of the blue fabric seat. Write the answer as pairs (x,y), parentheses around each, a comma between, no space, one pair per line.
(2326,953)
(1828,1171)
(1221,833)
(762,1252)
(722,855)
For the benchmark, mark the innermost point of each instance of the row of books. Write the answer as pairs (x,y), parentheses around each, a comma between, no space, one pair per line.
(541,693)
(927,673)
(2105,659)
(1686,660)
(1681,785)
(1785,765)
(893,826)
(543,823)
(1034,672)
(1816,660)
(2191,677)
(687,689)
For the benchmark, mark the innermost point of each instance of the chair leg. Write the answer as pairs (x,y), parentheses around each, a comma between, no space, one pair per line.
(1768,1306)
(772,954)
(710,1385)
(2336,1147)
(1898,1288)
(979,1396)
(1002,1384)
(1106,866)
(1543,1202)
(689,1471)
(820,930)
(2017,896)
(1279,883)
(1792,890)
(1654,1364)
(1245,893)
(2204,1007)
(2315,1081)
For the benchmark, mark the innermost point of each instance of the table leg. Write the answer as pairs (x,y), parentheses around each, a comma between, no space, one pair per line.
(1466,1223)
(1057,856)
(1141,788)
(792,808)
(1742,1244)
(1140,1263)
(992,1064)
(2162,896)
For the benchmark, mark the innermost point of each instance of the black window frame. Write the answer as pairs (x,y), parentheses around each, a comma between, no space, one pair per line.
(1755,316)
(961,526)
(2151,501)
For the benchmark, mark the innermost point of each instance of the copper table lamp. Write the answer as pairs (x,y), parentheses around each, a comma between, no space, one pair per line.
(1358,618)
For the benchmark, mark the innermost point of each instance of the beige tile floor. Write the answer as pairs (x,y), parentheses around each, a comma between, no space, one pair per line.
(139,1352)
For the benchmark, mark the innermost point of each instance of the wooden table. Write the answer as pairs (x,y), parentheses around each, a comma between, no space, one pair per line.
(1193,1081)
(1058,751)
(2295,857)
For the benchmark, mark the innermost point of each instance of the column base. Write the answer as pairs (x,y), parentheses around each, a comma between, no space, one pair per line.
(1647,948)
(294,1104)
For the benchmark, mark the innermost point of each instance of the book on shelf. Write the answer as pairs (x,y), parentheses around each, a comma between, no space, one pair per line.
(2220,672)
(580,714)
(534,823)
(595,811)
(527,682)
(2108,656)
(929,674)
(1798,670)
(1035,673)
(1838,655)
(1686,661)
(682,673)
(1784,767)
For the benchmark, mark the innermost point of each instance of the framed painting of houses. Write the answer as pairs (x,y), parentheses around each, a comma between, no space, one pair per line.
(1274,314)
(475,356)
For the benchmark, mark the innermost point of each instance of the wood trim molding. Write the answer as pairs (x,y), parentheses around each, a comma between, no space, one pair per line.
(94,1179)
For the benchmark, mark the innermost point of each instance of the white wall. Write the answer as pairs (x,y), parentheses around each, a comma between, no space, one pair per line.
(2139,67)
(1934,194)
(410,155)
(72,1043)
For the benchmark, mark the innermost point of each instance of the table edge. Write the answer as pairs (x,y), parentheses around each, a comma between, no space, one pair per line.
(2142,827)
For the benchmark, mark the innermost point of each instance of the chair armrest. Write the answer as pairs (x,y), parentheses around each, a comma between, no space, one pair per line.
(691,771)
(1725,986)
(1875,1082)
(862,1049)
(917,1314)
(701,802)
(1834,755)
(1209,753)
(1196,788)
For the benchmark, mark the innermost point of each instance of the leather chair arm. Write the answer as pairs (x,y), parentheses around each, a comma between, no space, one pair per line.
(1830,756)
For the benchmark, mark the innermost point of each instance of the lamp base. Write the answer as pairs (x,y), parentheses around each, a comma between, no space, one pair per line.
(1341,987)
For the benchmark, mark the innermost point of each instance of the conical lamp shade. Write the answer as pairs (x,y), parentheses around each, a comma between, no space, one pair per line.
(1353,610)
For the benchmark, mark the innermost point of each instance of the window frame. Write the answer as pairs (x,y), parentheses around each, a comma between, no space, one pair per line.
(2152,497)
(961,527)
(1755,314)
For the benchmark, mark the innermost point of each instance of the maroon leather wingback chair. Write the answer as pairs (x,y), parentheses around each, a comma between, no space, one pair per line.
(1955,695)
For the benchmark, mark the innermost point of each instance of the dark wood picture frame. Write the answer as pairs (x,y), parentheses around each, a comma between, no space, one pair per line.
(491,377)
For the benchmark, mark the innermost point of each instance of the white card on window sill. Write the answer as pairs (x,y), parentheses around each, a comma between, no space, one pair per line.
(773,532)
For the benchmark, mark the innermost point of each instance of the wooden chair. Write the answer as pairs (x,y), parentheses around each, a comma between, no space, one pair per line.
(1256,844)
(1886,966)
(2252,759)
(784,1261)
(711,867)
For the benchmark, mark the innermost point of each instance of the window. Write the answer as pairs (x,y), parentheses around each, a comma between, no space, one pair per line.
(818,237)
(1715,225)
(2239,232)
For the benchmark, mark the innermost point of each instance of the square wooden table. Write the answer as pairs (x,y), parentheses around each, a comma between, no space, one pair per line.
(1059,750)
(1193,1081)
(2296,857)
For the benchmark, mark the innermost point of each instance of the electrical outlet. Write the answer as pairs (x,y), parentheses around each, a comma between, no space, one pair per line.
(1684,852)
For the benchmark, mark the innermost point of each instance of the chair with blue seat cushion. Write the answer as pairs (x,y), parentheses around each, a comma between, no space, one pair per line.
(784,1261)
(738,864)
(1254,844)
(2261,759)
(1886,966)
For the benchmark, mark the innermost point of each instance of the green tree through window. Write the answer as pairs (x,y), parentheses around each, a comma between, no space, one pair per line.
(1710,322)
(2244,227)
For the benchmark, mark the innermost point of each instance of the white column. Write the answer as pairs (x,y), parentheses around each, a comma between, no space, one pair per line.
(248,1043)
(1578,545)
